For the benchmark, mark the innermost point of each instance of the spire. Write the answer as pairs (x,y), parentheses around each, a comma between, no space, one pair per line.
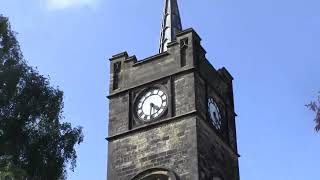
(171,24)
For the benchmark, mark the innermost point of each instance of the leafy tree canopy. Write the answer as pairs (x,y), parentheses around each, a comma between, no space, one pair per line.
(315,107)
(34,143)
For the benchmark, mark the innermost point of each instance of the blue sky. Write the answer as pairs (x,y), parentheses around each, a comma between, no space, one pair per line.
(271,47)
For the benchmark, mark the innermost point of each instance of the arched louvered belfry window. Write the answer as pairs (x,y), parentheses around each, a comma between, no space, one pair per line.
(156,174)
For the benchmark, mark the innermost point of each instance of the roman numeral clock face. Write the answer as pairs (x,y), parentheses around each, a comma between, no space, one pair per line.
(214,114)
(151,105)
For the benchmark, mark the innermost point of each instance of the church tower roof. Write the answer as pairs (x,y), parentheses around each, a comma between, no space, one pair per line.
(171,24)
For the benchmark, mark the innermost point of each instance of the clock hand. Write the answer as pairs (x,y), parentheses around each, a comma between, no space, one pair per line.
(151,106)
(215,115)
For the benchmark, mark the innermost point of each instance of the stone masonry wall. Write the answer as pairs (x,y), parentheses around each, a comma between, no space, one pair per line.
(184,94)
(201,99)
(214,158)
(118,114)
(169,145)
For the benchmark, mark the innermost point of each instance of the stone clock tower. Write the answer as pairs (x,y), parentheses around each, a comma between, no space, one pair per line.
(171,115)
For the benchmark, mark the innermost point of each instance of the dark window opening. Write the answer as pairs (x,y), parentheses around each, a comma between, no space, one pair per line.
(116,71)
(156,174)
(157,177)
(183,51)
(183,57)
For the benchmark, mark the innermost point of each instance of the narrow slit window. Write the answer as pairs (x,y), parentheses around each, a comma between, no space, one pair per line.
(116,72)
(183,57)
(183,51)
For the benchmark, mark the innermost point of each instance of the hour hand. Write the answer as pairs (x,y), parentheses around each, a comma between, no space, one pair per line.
(151,106)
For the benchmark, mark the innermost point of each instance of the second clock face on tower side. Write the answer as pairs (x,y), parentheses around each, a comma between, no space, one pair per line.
(214,113)
(151,104)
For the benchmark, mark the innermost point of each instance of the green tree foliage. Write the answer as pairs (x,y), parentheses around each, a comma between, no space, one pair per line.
(315,107)
(34,143)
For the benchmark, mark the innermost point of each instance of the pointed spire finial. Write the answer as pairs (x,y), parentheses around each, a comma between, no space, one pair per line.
(171,24)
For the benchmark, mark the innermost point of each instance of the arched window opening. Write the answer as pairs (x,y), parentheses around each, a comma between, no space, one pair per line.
(156,174)
(157,177)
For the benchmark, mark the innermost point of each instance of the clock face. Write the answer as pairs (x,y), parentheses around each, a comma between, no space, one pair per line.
(152,104)
(214,113)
